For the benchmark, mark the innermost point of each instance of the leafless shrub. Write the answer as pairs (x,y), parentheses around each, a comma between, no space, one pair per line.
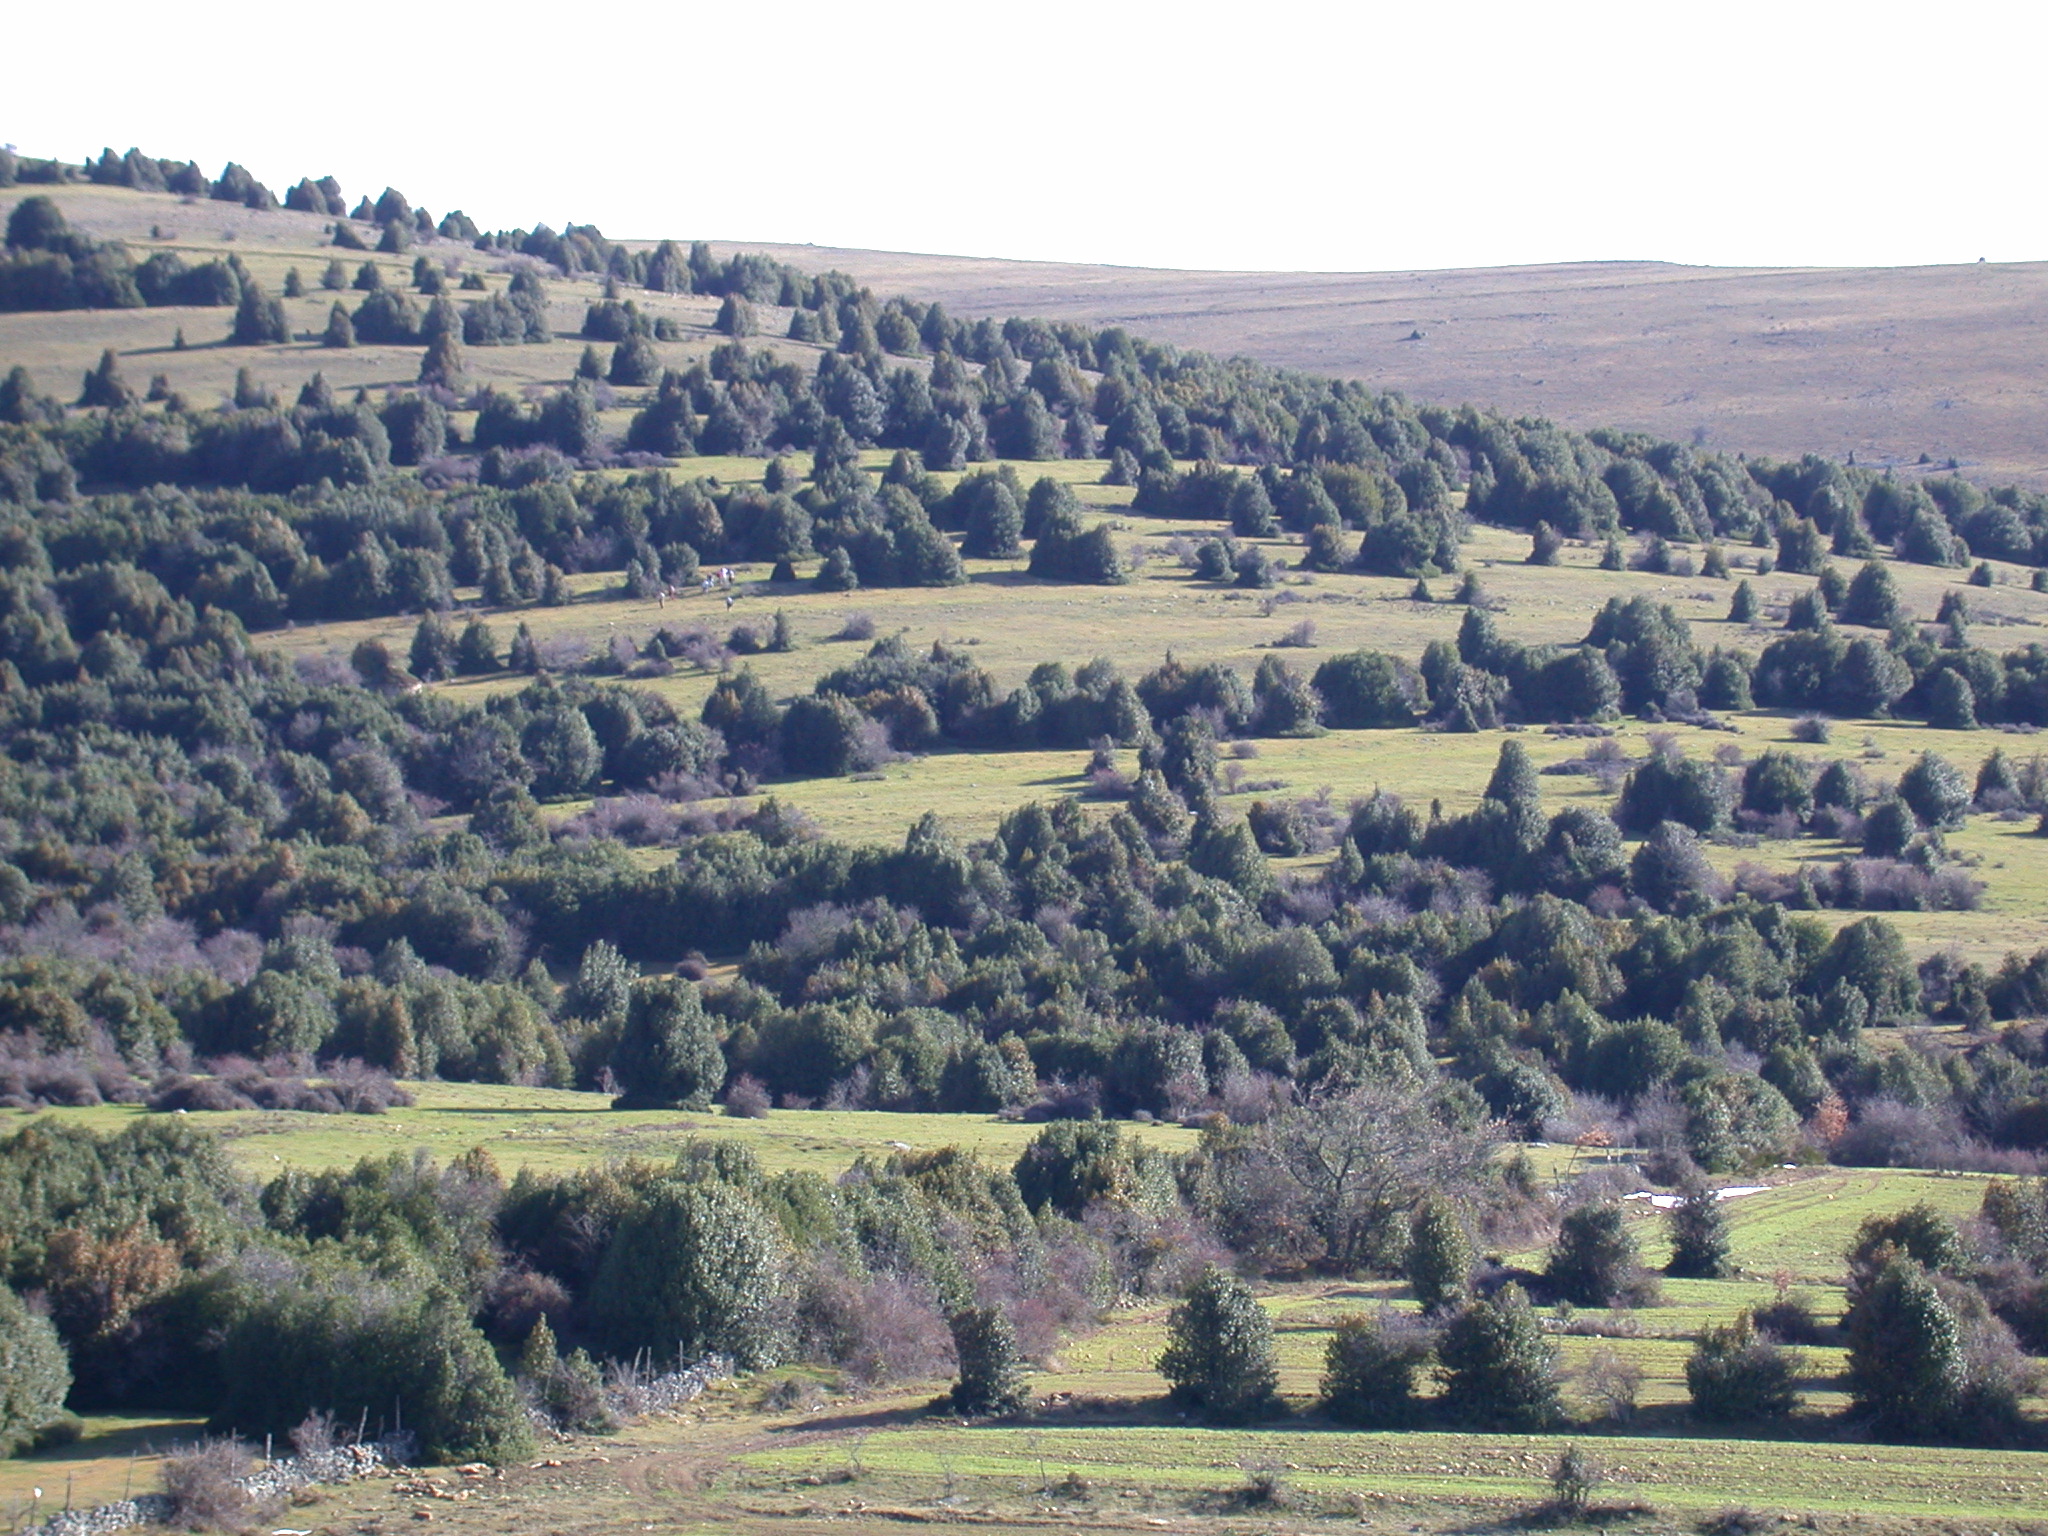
(1153,1255)
(1249,1098)
(1301,637)
(746,1098)
(517,1298)
(314,1435)
(32,1078)
(1108,784)
(352,1088)
(855,626)
(204,1486)
(1889,1134)
(882,1329)
(558,654)
(638,821)
(1866,885)
(1060,1099)
(1812,729)
(1612,1383)
(853,1091)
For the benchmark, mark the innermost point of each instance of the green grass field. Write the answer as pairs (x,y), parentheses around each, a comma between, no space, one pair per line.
(554,1129)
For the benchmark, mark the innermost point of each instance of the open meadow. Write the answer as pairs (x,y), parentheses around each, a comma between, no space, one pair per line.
(1010,623)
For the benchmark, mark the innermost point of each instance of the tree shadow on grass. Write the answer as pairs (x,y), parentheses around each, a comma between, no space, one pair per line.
(872,1419)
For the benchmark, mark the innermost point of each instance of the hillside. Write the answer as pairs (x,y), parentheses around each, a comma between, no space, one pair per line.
(575,807)
(1885,363)
(1888,364)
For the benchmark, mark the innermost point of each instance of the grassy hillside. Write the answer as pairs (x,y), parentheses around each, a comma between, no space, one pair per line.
(1885,363)
(312,854)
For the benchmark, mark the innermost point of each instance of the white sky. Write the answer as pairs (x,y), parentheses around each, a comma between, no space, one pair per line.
(1279,135)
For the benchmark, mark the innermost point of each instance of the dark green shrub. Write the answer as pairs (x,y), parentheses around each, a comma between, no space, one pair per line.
(667,1056)
(1496,1366)
(35,1375)
(991,1379)
(694,1267)
(1219,1351)
(1369,1370)
(1737,1376)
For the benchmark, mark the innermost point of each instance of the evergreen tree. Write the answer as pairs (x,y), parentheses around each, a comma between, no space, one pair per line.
(294,284)
(1439,1267)
(525,656)
(369,278)
(1935,791)
(251,396)
(1742,606)
(340,332)
(1594,1260)
(443,366)
(105,386)
(1250,509)
(635,363)
(667,425)
(695,1266)
(22,404)
(837,574)
(1906,1364)
(539,1356)
(1889,829)
(1225,849)
(667,1056)
(35,1375)
(1286,703)
(735,317)
(1872,598)
(477,651)
(1775,783)
(1323,549)
(991,1370)
(993,525)
(1737,1376)
(1997,780)
(1496,1366)
(433,655)
(1369,1369)
(1951,702)
(37,224)
(591,365)
(1515,785)
(1219,1351)
(1699,1236)
(563,753)
(335,278)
